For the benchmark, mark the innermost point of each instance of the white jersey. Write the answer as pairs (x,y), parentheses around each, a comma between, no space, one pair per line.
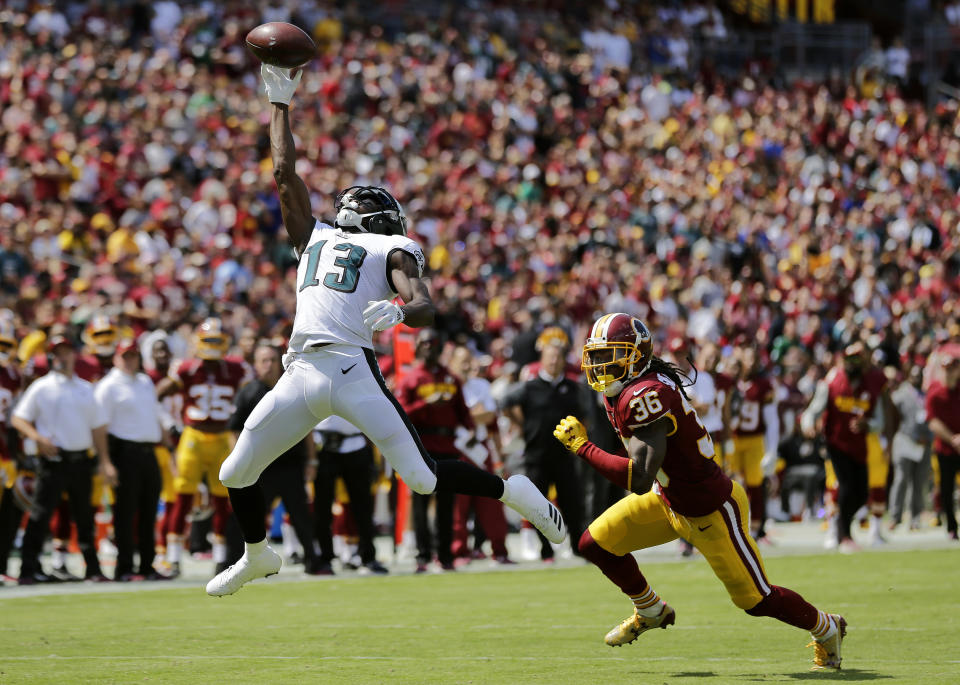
(340,272)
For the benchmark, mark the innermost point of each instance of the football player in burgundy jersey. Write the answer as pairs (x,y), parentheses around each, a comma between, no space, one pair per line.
(677,490)
(209,384)
(847,399)
(756,434)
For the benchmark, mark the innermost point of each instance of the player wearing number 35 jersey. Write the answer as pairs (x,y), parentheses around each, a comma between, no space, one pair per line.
(208,384)
(677,491)
(348,276)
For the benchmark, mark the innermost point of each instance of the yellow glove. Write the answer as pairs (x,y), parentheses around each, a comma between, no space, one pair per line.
(571,433)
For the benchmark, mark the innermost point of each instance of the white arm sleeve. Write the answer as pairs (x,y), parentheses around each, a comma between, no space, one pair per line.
(815,409)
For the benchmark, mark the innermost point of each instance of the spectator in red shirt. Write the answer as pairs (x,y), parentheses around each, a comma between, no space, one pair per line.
(943,412)
(432,397)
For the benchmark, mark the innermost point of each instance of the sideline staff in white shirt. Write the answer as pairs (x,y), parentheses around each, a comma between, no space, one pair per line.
(129,402)
(59,412)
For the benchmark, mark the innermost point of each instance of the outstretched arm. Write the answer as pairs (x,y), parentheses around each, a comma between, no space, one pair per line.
(635,472)
(294,199)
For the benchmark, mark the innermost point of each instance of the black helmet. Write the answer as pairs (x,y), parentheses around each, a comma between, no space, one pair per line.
(371,210)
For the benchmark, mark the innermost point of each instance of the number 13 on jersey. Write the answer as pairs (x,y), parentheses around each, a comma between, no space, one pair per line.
(347,266)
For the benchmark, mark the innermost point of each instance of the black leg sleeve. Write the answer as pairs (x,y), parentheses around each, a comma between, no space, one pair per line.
(250,509)
(454,475)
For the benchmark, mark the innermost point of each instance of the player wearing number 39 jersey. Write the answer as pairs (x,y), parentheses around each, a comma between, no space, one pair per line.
(348,276)
(677,490)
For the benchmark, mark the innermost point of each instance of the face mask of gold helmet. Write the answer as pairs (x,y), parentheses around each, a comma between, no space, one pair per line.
(618,350)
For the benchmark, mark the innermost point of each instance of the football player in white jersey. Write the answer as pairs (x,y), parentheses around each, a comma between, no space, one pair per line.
(349,273)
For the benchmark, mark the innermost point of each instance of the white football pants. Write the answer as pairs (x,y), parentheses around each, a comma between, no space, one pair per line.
(337,379)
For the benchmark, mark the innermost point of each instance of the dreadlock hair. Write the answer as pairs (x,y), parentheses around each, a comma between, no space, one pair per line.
(674,373)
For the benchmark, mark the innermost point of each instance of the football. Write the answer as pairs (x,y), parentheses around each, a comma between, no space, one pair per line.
(281,44)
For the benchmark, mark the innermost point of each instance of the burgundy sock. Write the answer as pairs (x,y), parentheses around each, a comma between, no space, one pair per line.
(221,512)
(180,510)
(786,605)
(622,571)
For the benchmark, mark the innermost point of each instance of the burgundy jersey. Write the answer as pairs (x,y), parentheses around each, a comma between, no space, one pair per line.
(209,390)
(848,402)
(690,480)
(9,391)
(754,394)
(944,404)
(436,421)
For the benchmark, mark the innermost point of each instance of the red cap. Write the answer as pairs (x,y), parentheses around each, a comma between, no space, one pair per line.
(127,345)
(676,344)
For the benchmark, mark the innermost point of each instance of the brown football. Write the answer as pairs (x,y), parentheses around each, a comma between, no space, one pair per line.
(281,44)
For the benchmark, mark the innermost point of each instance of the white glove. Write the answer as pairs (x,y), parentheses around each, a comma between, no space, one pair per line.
(381,315)
(280,86)
(287,359)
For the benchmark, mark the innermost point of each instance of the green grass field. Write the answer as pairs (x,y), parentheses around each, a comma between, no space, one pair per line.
(500,627)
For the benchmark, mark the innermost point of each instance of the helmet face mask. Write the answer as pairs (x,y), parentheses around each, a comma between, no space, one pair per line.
(386,217)
(210,340)
(101,335)
(619,349)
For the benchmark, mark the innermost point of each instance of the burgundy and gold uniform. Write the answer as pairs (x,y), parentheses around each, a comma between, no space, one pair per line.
(748,427)
(847,404)
(690,479)
(208,391)
(433,400)
(690,496)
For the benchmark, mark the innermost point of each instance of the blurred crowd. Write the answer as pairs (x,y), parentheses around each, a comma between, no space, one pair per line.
(556,162)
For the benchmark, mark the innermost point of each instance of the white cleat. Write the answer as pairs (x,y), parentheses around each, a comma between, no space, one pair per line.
(265,564)
(521,494)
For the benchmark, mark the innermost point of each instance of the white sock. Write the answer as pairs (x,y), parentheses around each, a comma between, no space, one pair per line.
(825,629)
(648,604)
(174,548)
(255,548)
(219,550)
